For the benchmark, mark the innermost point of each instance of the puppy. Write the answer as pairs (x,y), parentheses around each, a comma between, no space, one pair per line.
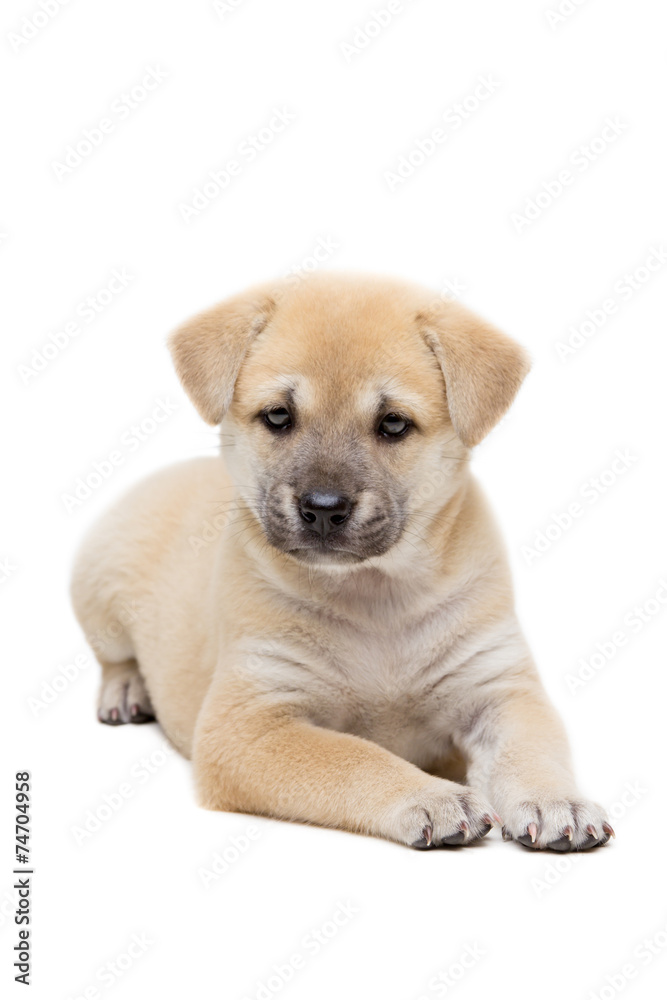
(323,621)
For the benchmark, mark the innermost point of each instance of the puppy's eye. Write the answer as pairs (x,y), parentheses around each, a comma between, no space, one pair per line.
(278,419)
(393,425)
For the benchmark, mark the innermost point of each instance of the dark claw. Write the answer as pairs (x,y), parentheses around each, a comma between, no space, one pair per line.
(483,832)
(138,717)
(529,838)
(425,842)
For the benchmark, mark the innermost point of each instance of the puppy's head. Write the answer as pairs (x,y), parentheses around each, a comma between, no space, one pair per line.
(351,404)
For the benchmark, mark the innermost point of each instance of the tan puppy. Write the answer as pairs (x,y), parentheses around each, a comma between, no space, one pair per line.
(325,619)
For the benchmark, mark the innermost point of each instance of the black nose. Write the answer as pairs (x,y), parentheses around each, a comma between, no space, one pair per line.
(324,511)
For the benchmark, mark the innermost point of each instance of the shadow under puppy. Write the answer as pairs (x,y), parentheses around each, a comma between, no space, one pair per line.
(325,615)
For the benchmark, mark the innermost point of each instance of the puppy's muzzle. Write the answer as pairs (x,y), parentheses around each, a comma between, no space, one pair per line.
(324,511)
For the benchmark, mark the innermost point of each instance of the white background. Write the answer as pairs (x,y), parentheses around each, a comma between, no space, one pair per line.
(544,930)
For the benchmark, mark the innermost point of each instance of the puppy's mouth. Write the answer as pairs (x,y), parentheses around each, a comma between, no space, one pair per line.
(345,544)
(324,554)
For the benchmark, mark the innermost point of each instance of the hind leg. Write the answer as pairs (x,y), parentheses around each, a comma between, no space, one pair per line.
(123,696)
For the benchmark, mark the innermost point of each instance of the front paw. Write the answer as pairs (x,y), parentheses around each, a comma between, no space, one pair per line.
(443,814)
(546,823)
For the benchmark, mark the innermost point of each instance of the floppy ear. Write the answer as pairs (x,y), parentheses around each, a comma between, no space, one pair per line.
(483,368)
(208,350)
